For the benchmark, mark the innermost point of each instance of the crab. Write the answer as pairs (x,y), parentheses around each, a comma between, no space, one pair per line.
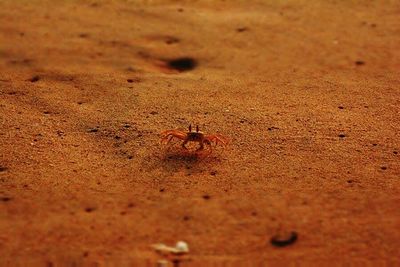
(194,136)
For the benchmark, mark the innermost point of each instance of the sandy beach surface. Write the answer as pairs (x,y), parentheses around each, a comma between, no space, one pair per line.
(308,93)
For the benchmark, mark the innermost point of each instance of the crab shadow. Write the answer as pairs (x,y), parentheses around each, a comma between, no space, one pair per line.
(190,162)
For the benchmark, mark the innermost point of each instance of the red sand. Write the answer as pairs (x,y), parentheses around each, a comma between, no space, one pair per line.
(308,91)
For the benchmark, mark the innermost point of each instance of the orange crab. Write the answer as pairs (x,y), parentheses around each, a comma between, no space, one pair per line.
(194,136)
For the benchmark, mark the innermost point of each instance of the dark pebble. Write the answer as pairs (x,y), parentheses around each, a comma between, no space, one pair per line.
(93,130)
(284,240)
(34,79)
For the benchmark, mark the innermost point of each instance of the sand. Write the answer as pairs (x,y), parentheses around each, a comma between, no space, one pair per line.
(307,92)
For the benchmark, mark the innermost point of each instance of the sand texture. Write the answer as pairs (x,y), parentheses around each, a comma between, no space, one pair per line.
(308,93)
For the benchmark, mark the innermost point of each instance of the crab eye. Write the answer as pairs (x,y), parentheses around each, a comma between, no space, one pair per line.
(190,128)
(197,128)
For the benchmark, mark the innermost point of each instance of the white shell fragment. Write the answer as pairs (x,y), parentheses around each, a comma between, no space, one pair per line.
(181,247)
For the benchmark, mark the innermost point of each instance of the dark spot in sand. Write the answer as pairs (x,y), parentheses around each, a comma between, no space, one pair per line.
(171,40)
(80,103)
(133,80)
(254,214)
(206,197)
(117,137)
(180,10)
(154,113)
(349,181)
(131,205)
(83,35)
(359,62)
(383,168)
(242,29)
(130,69)
(130,157)
(85,254)
(143,54)
(182,64)
(122,213)
(3,169)
(342,135)
(46,112)
(5,199)
(90,209)
(340,107)
(93,130)
(284,240)
(374,144)
(162,190)
(25,61)
(186,218)
(34,79)
(213,173)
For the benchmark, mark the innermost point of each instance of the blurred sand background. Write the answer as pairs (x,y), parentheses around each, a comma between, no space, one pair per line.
(308,92)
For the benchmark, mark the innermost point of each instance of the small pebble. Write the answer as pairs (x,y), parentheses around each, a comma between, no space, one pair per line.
(93,130)
(34,79)
(284,240)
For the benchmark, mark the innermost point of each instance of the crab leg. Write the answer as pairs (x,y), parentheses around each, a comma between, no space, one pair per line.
(167,136)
